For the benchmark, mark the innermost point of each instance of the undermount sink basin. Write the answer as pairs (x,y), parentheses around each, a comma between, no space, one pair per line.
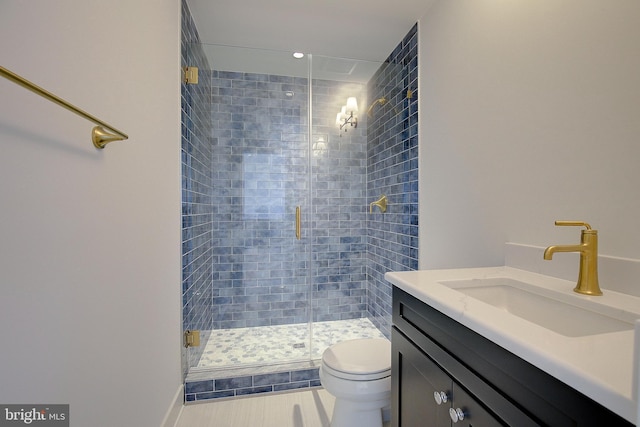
(568,315)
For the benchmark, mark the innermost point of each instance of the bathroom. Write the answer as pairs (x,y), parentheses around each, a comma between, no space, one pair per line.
(527,115)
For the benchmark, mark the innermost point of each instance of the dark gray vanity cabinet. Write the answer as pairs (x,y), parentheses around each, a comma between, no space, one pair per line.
(430,397)
(444,374)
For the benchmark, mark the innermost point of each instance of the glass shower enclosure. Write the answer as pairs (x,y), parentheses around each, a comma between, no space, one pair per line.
(274,206)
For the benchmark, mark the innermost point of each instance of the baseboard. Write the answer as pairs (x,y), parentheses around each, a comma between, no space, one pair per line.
(175,409)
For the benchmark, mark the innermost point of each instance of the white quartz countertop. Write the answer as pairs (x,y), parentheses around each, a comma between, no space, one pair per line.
(599,366)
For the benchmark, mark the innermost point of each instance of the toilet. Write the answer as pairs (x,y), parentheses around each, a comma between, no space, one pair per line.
(358,373)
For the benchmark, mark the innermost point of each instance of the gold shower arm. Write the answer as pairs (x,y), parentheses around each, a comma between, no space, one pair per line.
(99,135)
(380,101)
(381,203)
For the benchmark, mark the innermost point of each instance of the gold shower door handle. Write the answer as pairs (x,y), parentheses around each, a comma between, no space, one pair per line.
(298,222)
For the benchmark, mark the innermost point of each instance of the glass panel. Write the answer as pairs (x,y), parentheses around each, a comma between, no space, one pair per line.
(259,151)
(249,159)
(197,209)
(339,200)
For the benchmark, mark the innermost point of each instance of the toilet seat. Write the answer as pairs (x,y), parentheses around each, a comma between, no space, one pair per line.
(358,360)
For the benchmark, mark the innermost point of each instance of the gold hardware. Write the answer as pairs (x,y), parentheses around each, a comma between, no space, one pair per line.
(380,101)
(191,338)
(574,224)
(190,75)
(298,222)
(381,203)
(588,248)
(99,135)
(383,101)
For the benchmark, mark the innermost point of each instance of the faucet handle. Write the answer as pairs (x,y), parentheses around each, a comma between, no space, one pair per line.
(574,223)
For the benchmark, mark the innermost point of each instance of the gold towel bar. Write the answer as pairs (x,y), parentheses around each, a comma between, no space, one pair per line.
(99,135)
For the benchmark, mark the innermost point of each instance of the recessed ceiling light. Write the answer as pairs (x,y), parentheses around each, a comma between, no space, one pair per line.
(298,55)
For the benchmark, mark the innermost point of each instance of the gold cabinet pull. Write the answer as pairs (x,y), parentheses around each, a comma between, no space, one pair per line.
(298,222)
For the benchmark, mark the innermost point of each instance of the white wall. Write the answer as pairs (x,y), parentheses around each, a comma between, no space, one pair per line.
(530,112)
(90,240)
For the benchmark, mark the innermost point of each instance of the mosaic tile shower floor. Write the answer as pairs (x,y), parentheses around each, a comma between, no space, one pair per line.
(276,344)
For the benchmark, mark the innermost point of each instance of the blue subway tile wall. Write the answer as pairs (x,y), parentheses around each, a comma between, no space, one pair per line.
(392,169)
(259,158)
(197,251)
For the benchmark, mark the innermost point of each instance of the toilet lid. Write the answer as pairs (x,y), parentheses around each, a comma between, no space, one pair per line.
(361,357)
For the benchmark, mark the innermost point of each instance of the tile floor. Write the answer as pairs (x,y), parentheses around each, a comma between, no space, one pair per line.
(309,408)
(276,344)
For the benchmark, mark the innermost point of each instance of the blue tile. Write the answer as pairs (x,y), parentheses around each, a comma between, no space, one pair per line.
(198,386)
(254,390)
(269,379)
(305,375)
(232,383)
(291,386)
(214,395)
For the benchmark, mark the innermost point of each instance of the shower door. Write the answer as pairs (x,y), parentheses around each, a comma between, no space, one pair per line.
(260,292)
(269,147)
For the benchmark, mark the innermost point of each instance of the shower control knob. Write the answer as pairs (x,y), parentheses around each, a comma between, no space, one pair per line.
(440,397)
(456,414)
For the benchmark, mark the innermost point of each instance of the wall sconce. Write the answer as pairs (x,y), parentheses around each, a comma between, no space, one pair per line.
(348,115)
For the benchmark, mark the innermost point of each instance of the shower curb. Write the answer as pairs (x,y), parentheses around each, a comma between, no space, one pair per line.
(245,385)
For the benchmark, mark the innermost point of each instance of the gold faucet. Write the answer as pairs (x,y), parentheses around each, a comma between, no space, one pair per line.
(588,249)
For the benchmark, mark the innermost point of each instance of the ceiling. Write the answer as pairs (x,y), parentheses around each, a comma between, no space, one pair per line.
(356,29)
